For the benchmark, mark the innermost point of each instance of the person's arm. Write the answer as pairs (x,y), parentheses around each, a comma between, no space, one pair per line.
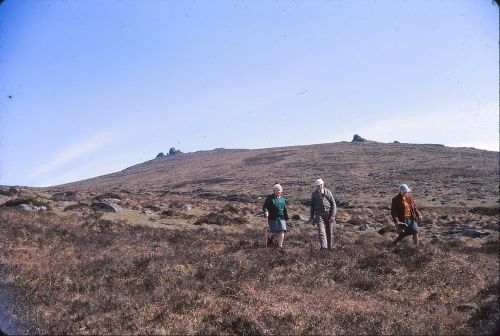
(394,213)
(417,214)
(333,205)
(285,211)
(311,216)
(266,207)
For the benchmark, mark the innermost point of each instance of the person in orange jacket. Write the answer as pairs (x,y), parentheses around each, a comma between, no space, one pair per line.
(405,215)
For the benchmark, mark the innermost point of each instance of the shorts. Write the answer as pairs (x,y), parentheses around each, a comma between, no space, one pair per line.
(411,227)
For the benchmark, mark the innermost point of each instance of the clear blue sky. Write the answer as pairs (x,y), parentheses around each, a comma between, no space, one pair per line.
(92,87)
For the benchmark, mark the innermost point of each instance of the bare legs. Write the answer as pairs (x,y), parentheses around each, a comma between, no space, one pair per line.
(416,239)
(277,238)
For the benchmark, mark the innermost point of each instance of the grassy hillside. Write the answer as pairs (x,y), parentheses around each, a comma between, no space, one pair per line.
(184,252)
(368,172)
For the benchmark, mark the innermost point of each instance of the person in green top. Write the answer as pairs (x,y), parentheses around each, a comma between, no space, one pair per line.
(276,214)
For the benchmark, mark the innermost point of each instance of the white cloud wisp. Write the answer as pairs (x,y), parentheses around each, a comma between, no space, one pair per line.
(72,153)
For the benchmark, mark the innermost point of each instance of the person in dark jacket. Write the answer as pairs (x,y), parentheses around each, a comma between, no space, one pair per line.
(276,214)
(405,215)
(323,211)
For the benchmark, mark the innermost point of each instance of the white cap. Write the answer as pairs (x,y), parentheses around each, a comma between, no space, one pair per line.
(277,187)
(319,182)
(404,188)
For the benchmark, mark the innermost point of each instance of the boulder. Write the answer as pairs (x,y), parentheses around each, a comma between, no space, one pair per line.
(365,227)
(174,151)
(357,138)
(106,206)
(29,207)
(475,233)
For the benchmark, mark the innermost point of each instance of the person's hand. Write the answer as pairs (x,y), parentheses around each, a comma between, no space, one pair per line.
(266,215)
(332,219)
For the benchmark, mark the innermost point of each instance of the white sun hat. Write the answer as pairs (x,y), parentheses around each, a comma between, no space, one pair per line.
(319,182)
(404,188)
(277,187)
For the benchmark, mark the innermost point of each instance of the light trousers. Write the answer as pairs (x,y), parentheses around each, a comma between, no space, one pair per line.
(325,229)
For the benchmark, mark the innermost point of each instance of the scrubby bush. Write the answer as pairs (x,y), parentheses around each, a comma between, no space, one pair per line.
(8,191)
(107,195)
(29,200)
(78,206)
(214,218)
(168,213)
(151,207)
(230,208)
(64,196)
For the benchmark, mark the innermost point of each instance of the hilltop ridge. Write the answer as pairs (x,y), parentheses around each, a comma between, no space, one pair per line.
(365,171)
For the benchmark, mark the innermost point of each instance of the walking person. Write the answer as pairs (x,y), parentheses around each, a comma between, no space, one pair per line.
(323,211)
(276,214)
(405,215)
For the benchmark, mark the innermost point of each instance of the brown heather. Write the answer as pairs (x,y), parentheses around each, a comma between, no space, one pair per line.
(92,276)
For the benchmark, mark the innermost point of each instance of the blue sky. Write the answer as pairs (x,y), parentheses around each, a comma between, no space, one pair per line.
(92,87)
